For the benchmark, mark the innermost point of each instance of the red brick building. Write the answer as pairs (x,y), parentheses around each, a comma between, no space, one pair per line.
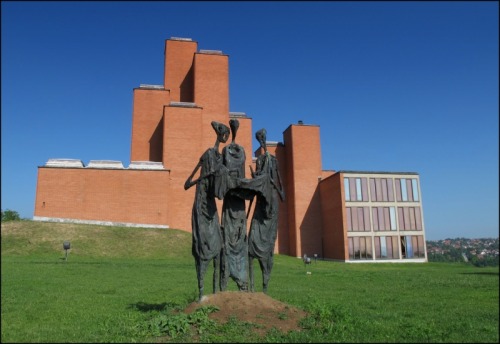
(171,130)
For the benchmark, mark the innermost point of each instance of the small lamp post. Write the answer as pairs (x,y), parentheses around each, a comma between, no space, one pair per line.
(66,246)
(315,257)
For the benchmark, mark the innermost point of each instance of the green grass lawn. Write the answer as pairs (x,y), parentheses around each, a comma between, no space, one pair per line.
(124,285)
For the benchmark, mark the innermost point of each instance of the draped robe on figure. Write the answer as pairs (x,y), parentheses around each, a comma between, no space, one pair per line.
(234,222)
(207,239)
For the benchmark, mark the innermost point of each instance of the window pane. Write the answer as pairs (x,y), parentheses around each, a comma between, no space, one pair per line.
(346,189)
(409,247)
(348,216)
(418,218)
(398,190)
(378,187)
(403,246)
(351,249)
(383,247)
(354,213)
(412,218)
(361,222)
(364,189)
(414,242)
(377,247)
(366,212)
(389,247)
(375,219)
(359,195)
(406,218)
(421,247)
(409,190)
(381,224)
(362,247)
(373,195)
(352,188)
(369,253)
(383,183)
(395,246)
(387,219)
(356,247)
(404,194)
(390,191)
(414,189)
(401,219)
(393,218)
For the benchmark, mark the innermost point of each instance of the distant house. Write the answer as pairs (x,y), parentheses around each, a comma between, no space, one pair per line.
(350,216)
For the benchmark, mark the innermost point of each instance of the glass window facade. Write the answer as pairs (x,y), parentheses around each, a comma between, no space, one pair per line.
(358,219)
(381,190)
(386,247)
(407,190)
(355,189)
(410,218)
(360,248)
(412,246)
(384,218)
(390,229)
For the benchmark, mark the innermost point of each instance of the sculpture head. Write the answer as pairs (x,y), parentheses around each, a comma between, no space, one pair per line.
(260,135)
(234,124)
(221,130)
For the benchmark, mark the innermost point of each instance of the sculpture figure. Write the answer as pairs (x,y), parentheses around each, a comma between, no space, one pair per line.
(264,225)
(206,234)
(234,258)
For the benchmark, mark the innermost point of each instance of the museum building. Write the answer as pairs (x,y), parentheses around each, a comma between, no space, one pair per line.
(350,216)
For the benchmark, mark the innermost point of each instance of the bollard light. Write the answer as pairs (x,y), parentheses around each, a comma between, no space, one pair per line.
(315,257)
(66,246)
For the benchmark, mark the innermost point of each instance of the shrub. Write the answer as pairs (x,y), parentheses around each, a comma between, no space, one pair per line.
(10,215)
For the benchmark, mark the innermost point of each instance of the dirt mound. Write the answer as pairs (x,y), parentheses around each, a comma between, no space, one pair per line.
(256,308)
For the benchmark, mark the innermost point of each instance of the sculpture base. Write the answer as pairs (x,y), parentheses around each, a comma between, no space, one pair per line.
(257,308)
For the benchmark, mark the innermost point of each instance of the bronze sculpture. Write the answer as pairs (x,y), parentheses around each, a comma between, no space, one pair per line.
(222,176)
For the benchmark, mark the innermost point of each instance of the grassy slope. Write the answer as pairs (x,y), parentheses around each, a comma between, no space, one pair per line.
(116,278)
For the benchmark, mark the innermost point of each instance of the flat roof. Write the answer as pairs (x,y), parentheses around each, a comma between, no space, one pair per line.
(375,172)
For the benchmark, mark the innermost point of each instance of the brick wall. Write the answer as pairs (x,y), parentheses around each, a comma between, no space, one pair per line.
(332,213)
(131,196)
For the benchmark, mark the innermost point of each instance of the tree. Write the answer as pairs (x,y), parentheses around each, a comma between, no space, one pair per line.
(10,215)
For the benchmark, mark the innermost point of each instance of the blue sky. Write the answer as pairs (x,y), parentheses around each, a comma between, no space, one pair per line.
(394,86)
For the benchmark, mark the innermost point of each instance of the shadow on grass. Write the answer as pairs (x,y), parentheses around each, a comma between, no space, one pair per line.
(487,273)
(149,307)
(62,260)
(145,307)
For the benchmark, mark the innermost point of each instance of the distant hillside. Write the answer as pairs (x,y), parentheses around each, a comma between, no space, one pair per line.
(33,237)
(479,252)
